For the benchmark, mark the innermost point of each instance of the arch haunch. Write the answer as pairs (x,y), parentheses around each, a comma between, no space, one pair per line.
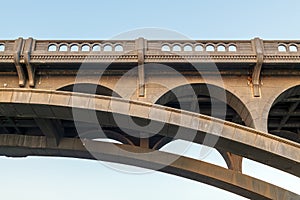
(246,142)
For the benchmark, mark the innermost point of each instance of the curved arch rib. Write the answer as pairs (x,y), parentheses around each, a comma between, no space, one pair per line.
(259,146)
(20,145)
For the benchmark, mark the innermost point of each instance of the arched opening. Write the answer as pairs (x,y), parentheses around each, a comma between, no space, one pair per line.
(85,48)
(198,48)
(89,88)
(282,48)
(165,48)
(74,48)
(118,47)
(210,100)
(221,48)
(52,47)
(293,48)
(107,47)
(284,115)
(63,48)
(188,48)
(96,47)
(2,47)
(176,48)
(232,48)
(210,48)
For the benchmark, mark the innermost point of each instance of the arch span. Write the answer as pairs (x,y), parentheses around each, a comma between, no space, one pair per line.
(256,145)
(20,145)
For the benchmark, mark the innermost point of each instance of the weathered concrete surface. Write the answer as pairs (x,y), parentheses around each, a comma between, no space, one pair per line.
(246,142)
(232,181)
(57,67)
(253,74)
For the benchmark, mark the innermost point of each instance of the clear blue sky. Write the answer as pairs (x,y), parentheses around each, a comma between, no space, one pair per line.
(60,179)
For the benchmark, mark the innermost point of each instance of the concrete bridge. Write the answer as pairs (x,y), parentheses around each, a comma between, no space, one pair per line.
(241,97)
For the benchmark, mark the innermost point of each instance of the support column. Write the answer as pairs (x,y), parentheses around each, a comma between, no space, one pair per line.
(234,162)
(144,140)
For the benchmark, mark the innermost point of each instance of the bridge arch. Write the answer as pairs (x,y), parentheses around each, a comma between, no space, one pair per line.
(246,142)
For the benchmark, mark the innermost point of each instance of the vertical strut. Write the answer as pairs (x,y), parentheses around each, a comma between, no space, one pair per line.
(30,70)
(17,57)
(259,50)
(140,46)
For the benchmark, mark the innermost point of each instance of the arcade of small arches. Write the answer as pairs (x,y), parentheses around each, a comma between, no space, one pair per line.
(186,47)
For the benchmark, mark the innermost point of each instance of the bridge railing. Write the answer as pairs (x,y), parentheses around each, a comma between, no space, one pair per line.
(198,47)
(81,46)
(232,50)
(6,46)
(282,47)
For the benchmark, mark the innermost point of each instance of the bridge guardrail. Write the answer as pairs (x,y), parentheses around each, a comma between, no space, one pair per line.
(240,51)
